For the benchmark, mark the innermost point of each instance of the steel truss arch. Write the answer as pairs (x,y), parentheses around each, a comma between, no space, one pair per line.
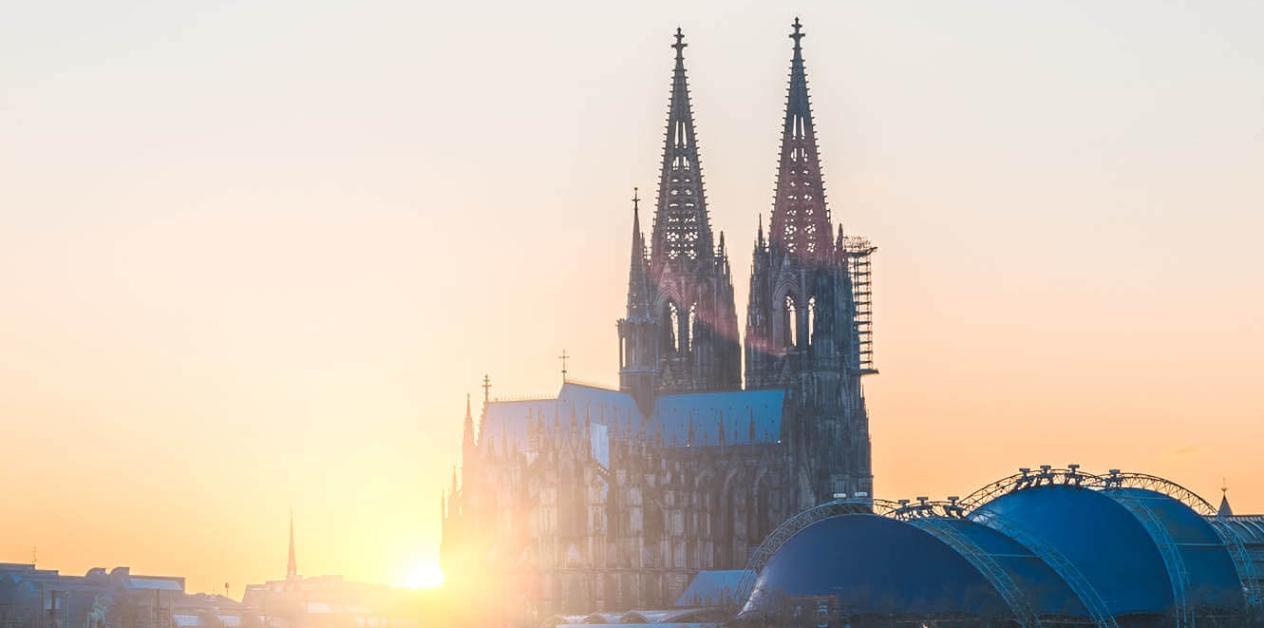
(1092,601)
(942,529)
(1120,479)
(1046,475)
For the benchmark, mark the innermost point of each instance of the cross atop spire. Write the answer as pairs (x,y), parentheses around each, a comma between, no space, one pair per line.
(797,34)
(680,45)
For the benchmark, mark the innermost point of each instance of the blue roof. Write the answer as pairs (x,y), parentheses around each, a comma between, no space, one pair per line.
(1049,553)
(712,588)
(1189,545)
(872,565)
(1041,588)
(737,411)
(1102,540)
(505,423)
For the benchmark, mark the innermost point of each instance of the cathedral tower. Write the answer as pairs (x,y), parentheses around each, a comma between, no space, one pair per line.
(680,333)
(801,331)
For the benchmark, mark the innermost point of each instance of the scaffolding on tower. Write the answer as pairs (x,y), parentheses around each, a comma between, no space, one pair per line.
(859,263)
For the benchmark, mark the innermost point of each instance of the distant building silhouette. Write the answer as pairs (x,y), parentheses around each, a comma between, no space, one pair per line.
(43,598)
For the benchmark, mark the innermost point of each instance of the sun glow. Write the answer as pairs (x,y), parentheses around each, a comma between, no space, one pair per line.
(425,575)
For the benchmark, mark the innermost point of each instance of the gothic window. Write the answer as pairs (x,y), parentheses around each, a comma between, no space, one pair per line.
(689,330)
(672,328)
(811,320)
(792,323)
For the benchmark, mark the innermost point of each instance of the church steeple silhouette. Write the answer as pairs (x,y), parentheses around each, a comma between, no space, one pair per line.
(1225,510)
(291,569)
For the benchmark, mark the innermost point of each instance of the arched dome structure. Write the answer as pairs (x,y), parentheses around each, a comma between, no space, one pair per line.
(1049,547)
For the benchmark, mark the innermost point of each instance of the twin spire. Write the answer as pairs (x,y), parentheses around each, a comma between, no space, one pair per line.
(801,223)
(682,229)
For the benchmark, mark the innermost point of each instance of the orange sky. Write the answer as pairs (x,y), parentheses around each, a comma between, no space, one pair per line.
(253,255)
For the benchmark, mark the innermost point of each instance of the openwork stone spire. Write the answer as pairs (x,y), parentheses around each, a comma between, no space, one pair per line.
(800,219)
(682,230)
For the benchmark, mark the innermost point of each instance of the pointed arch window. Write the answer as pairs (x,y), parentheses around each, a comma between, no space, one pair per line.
(672,331)
(812,313)
(791,322)
(690,326)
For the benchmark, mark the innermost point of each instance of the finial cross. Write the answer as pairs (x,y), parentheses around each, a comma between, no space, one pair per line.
(797,35)
(636,199)
(680,43)
(564,357)
(487,387)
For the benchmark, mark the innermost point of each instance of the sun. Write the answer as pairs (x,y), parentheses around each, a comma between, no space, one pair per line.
(424,575)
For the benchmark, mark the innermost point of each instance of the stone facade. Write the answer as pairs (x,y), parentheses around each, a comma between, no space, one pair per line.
(612,500)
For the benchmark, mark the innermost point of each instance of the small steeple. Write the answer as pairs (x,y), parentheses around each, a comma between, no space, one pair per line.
(467,435)
(1225,510)
(291,568)
(638,284)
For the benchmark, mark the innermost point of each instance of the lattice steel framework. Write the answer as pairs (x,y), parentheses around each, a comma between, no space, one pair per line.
(859,264)
(1178,575)
(1092,601)
(942,529)
(1046,475)
(1244,563)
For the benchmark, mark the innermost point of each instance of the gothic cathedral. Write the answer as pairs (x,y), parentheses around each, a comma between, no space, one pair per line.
(603,499)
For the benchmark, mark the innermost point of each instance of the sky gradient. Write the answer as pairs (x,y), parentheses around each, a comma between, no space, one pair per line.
(253,255)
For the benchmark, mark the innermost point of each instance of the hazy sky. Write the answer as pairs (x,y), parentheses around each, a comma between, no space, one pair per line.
(253,255)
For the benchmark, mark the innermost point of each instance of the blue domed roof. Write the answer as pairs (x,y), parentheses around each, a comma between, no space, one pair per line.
(874,565)
(1098,538)
(1040,589)
(1058,546)
(1198,563)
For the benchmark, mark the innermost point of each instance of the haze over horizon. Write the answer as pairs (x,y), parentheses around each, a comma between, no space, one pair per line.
(256,254)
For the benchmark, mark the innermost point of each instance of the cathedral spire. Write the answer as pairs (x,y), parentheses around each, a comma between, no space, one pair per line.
(682,229)
(291,568)
(800,219)
(638,285)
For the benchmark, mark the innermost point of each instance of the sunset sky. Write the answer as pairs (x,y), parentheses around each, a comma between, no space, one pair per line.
(253,255)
